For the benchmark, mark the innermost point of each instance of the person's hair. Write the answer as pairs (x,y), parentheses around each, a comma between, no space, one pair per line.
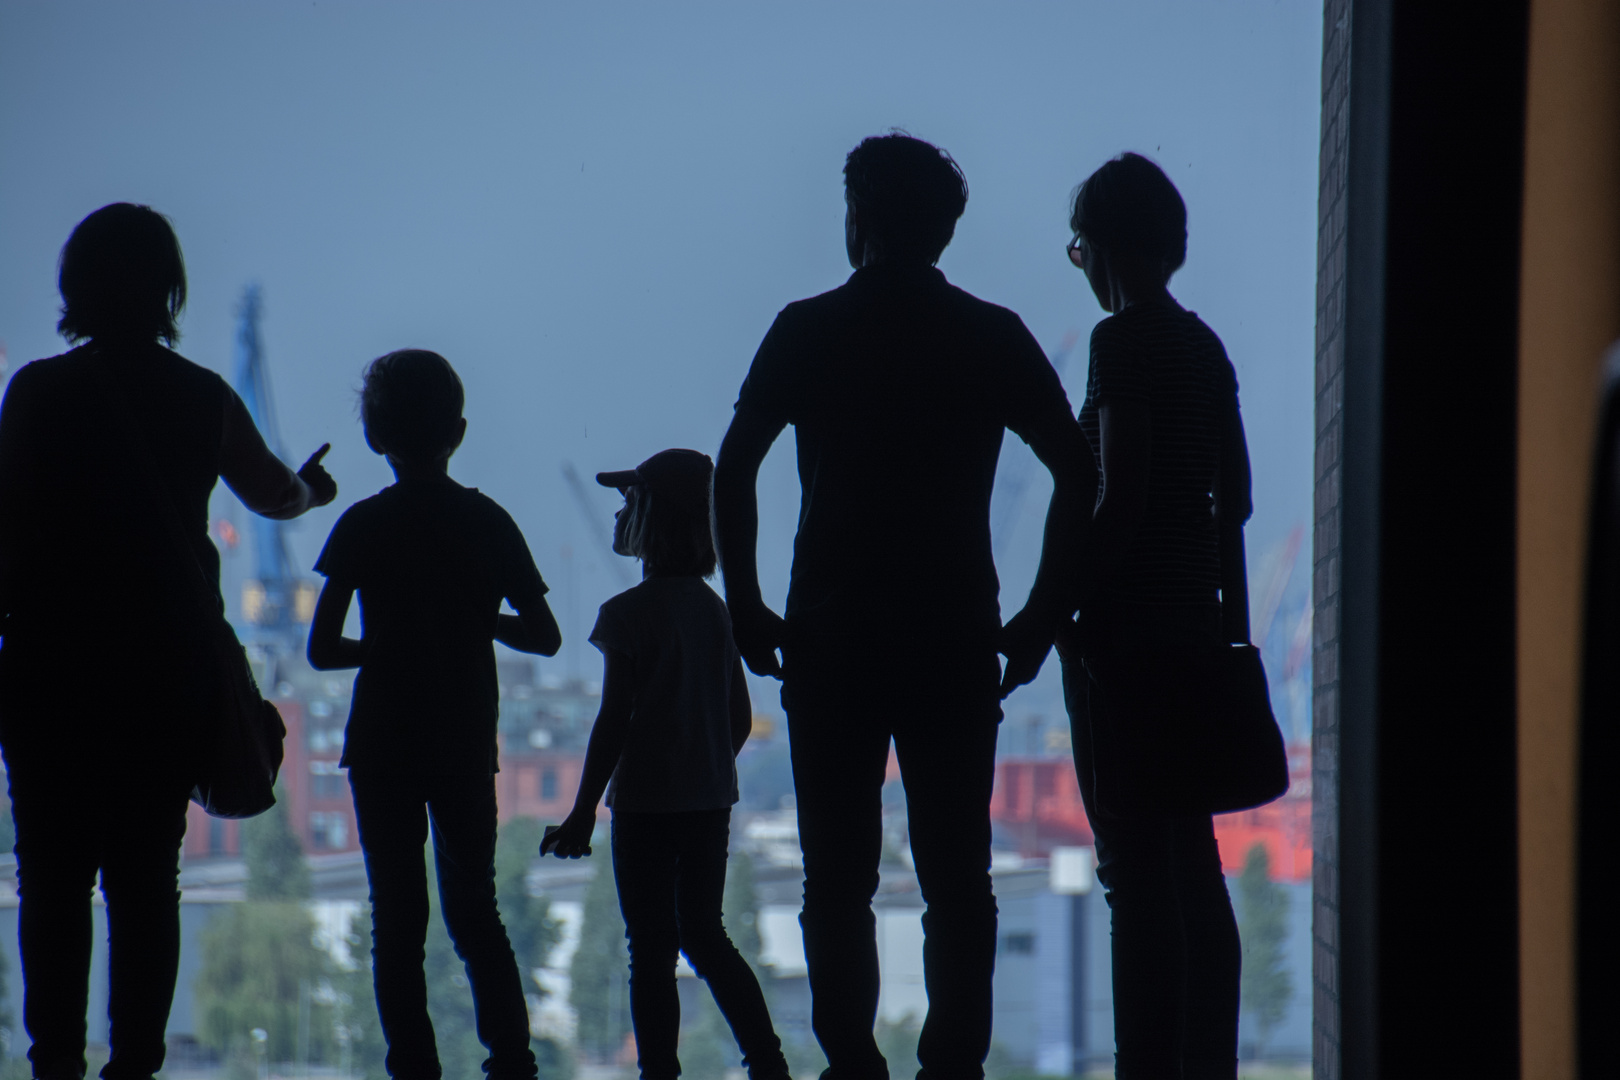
(907,195)
(1130,206)
(411,404)
(671,534)
(121,275)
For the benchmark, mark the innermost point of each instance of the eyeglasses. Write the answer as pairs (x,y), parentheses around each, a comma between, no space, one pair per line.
(1078,251)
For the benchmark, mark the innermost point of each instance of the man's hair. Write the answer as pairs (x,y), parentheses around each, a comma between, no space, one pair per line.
(411,404)
(672,535)
(121,275)
(1130,206)
(907,195)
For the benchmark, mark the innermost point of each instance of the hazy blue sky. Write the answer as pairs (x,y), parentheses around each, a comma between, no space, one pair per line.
(595,210)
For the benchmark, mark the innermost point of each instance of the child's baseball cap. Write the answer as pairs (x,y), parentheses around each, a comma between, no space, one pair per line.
(682,474)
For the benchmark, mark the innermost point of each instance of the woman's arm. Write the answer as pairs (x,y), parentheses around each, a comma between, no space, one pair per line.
(1233,505)
(573,838)
(328,649)
(742,710)
(530,631)
(1126,429)
(264,484)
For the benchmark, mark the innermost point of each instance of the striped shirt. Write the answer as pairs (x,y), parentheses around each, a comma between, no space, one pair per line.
(1168,358)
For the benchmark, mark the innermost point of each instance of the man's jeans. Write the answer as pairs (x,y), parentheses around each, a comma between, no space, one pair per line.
(947,764)
(392,810)
(671,874)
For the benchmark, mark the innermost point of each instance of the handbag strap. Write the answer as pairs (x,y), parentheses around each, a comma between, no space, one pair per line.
(204,595)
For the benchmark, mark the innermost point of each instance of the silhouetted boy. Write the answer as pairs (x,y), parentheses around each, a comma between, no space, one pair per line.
(432,561)
(899,387)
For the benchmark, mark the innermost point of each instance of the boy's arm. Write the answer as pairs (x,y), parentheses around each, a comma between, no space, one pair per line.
(530,631)
(328,648)
(742,710)
(573,838)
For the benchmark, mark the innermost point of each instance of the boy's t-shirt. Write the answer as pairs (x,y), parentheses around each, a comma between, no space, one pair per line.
(677,749)
(432,561)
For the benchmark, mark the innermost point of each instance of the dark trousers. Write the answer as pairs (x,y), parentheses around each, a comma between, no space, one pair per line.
(671,873)
(1177,957)
(127,823)
(393,809)
(947,764)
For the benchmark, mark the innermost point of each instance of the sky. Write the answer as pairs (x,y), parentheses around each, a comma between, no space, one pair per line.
(594,211)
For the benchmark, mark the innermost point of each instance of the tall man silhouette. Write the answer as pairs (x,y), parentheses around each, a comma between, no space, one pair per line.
(899,386)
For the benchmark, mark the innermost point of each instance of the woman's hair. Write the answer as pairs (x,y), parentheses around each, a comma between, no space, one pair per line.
(121,275)
(1130,206)
(410,404)
(671,531)
(907,193)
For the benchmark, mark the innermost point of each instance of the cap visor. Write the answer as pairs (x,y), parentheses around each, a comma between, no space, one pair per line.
(621,479)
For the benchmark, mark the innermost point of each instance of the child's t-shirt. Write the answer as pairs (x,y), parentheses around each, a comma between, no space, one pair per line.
(432,561)
(677,749)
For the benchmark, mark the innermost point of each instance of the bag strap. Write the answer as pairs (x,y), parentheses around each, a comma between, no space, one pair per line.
(204,595)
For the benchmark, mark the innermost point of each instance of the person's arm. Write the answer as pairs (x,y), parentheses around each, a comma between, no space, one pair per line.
(261,480)
(1061,446)
(756,628)
(17,413)
(742,709)
(328,649)
(530,631)
(1125,426)
(573,837)
(1233,505)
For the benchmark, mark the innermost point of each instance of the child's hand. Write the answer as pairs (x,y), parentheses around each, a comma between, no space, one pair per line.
(572,838)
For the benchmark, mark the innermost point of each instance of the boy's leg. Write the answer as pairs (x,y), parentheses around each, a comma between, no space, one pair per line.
(839,760)
(463,811)
(700,885)
(392,821)
(947,764)
(644,857)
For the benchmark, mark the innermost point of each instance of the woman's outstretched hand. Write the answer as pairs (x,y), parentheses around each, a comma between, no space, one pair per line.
(572,838)
(322,488)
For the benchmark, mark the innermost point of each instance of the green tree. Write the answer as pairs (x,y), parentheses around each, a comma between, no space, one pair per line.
(1267,985)
(259,958)
(357,1029)
(275,859)
(528,920)
(598,974)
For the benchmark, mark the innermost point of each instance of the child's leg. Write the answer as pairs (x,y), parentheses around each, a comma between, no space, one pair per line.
(392,824)
(644,869)
(463,811)
(700,886)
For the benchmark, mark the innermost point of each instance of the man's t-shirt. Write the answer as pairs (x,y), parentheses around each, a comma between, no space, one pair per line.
(432,561)
(898,385)
(1167,358)
(677,750)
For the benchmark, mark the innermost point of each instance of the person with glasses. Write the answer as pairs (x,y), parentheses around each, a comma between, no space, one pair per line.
(899,386)
(1160,413)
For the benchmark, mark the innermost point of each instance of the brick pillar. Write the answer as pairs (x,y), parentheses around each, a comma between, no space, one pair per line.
(1330,282)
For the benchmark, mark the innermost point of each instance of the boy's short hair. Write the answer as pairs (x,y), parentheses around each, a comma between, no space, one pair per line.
(1130,205)
(410,404)
(907,195)
(121,274)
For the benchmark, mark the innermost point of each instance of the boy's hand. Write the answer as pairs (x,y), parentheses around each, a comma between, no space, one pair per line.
(572,838)
(322,488)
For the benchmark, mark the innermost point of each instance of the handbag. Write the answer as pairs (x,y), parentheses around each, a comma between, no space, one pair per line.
(1187,729)
(243,734)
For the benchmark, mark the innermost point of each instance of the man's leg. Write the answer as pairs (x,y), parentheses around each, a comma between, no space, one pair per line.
(391,816)
(839,758)
(463,812)
(644,860)
(140,877)
(948,766)
(56,869)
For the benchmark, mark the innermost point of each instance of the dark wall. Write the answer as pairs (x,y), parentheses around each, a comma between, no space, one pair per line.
(1418,913)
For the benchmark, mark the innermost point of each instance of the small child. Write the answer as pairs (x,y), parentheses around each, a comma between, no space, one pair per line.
(674,714)
(432,561)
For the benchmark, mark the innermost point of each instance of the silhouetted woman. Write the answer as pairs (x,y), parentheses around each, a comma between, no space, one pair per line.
(103,691)
(1161,416)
